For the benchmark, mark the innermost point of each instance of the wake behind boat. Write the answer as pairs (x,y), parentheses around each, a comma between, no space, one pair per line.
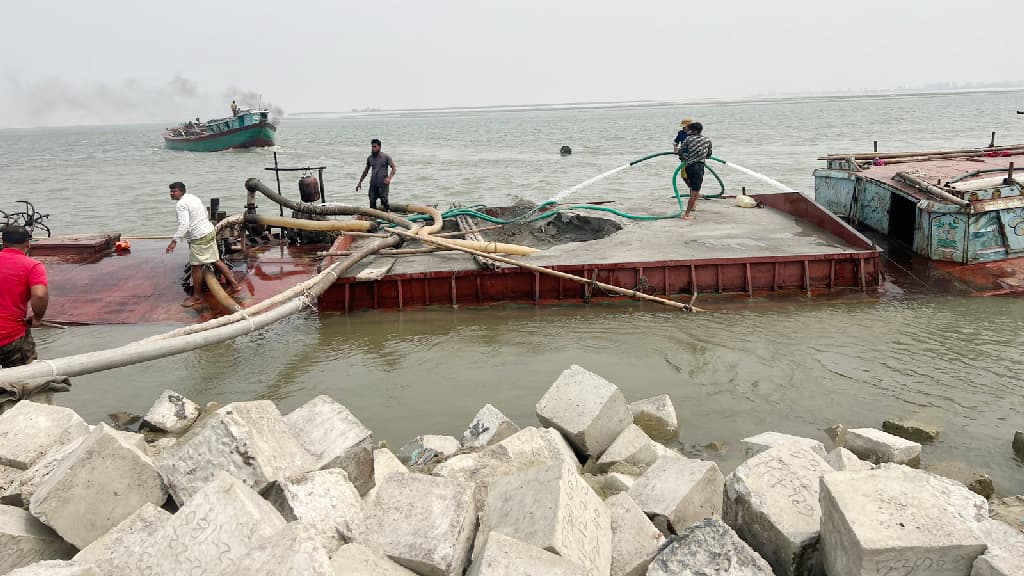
(244,129)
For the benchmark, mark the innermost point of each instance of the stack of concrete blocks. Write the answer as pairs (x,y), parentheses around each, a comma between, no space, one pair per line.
(771,501)
(335,438)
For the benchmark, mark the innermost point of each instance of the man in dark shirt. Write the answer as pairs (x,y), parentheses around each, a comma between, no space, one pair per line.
(694,152)
(681,135)
(380,180)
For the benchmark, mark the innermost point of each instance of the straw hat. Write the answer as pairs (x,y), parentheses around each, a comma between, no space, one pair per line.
(686,122)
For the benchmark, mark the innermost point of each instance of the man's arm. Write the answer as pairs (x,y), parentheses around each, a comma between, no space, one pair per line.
(709,149)
(182,212)
(363,177)
(391,163)
(39,300)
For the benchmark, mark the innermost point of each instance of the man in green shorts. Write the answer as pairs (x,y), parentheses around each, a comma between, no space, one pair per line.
(195,227)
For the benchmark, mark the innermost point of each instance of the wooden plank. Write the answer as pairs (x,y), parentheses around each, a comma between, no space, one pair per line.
(377,269)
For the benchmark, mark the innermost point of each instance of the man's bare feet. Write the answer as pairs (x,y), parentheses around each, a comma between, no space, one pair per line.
(191,302)
(689,217)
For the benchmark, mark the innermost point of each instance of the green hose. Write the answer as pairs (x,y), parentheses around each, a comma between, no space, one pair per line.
(536,214)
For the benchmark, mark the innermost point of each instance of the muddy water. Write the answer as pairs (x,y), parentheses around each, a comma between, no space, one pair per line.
(789,365)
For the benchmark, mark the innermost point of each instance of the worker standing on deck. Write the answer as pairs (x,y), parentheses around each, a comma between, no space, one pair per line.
(22,284)
(195,227)
(380,180)
(234,108)
(695,150)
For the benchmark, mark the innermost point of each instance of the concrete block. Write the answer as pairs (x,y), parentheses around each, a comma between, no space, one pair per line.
(325,500)
(428,449)
(681,491)
(425,523)
(357,560)
(911,430)
(156,448)
(617,483)
(587,409)
(249,440)
(385,463)
(550,507)
(837,434)
(771,501)
(877,447)
(56,568)
(765,440)
(294,550)
(635,541)
(336,438)
(489,426)
(20,492)
(632,447)
(172,413)
(1005,553)
(841,459)
(710,548)
(107,552)
(505,556)
(24,540)
(30,430)
(657,417)
(95,487)
(882,522)
(8,476)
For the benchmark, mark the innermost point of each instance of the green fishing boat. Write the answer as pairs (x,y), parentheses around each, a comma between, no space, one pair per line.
(245,129)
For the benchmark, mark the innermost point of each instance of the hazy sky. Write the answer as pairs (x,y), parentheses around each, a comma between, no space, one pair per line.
(71,62)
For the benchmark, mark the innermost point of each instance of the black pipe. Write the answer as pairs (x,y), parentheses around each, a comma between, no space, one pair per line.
(253,185)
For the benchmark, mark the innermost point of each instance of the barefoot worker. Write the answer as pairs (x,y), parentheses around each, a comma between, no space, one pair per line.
(194,226)
(695,150)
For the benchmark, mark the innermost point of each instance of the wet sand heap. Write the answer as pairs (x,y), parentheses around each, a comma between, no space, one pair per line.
(597,489)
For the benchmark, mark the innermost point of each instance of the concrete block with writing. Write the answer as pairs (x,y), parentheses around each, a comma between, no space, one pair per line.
(425,523)
(24,540)
(30,430)
(113,552)
(95,487)
(325,500)
(680,490)
(356,559)
(294,550)
(172,413)
(56,568)
(336,438)
(765,440)
(711,548)
(587,409)
(248,440)
(550,507)
(505,556)
(657,417)
(635,541)
(876,446)
(842,459)
(883,522)
(489,426)
(771,501)
(633,447)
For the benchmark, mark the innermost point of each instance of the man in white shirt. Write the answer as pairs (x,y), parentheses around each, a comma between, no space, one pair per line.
(194,227)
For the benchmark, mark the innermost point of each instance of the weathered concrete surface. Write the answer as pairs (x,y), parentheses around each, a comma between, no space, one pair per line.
(656,417)
(765,440)
(172,413)
(978,482)
(357,560)
(708,548)
(424,523)
(505,556)
(551,507)
(325,500)
(680,490)
(107,552)
(635,541)
(771,501)
(1009,510)
(587,409)
(249,440)
(428,449)
(633,447)
(842,459)
(30,430)
(489,426)
(20,492)
(877,447)
(617,483)
(8,475)
(385,463)
(94,488)
(24,540)
(1005,553)
(336,438)
(56,568)
(887,521)
(911,430)
(156,448)
(294,550)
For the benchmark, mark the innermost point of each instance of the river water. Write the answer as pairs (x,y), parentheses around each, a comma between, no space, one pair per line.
(789,364)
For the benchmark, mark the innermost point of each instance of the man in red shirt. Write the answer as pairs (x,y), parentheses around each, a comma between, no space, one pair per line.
(22,282)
